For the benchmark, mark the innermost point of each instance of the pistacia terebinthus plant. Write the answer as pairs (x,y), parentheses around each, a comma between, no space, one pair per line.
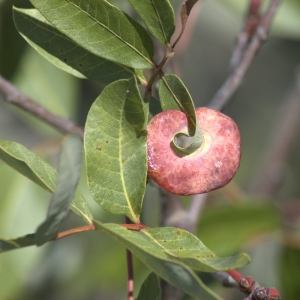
(210,167)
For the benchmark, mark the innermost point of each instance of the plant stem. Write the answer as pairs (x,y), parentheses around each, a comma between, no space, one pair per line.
(15,97)
(130,282)
(235,78)
(158,70)
(72,231)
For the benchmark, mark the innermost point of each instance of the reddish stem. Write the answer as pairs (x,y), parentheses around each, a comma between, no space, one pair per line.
(135,227)
(72,231)
(130,282)
(237,276)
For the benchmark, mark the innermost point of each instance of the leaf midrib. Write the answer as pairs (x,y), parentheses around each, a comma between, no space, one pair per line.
(160,22)
(117,36)
(121,165)
(35,21)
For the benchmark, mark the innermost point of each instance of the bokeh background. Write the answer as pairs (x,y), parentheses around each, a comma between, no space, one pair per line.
(244,216)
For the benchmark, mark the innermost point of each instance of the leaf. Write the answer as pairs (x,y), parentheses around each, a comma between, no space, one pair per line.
(289,272)
(33,167)
(150,289)
(63,52)
(67,180)
(174,95)
(116,150)
(158,16)
(168,261)
(227,228)
(101,29)
(24,241)
(184,15)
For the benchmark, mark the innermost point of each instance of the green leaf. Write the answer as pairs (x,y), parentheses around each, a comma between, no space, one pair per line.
(63,52)
(158,16)
(159,249)
(24,241)
(225,229)
(33,167)
(289,273)
(67,180)
(100,28)
(175,96)
(150,289)
(116,150)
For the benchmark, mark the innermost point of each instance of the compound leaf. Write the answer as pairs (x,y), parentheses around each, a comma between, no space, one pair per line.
(101,29)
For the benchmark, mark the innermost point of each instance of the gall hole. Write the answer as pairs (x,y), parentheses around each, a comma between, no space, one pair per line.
(183,141)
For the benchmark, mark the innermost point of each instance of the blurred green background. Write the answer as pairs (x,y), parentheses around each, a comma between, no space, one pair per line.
(237,218)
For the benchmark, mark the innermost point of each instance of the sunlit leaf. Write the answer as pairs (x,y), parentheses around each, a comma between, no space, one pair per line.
(100,28)
(63,52)
(67,180)
(115,149)
(174,95)
(158,16)
(159,249)
(150,289)
(33,167)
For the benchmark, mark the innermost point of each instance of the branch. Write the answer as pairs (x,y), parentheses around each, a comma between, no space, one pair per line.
(15,97)
(236,76)
(281,145)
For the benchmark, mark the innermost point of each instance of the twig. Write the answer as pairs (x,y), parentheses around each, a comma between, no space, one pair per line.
(250,24)
(15,97)
(76,230)
(196,208)
(130,282)
(282,144)
(235,78)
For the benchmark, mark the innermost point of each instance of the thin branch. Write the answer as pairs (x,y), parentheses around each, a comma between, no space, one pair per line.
(250,24)
(235,78)
(281,145)
(76,230)
(130,281)
(15,97)
(196,208)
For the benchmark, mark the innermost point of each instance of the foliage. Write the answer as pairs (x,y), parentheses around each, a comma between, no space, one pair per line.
(84,39)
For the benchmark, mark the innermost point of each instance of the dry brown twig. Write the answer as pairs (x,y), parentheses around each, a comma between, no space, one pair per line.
(17,98)
(236,76)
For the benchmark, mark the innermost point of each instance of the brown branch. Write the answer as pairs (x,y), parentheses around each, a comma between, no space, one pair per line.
(76,230)
(250,24)
(15,97)
(236,76)
(130,280)
(281,145)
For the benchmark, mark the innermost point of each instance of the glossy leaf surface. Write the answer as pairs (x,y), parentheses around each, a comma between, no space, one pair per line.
(115,149)
(158,16)
(33,167)
(175,96)
(155,253)
(150,289)
(100,28)
(67,180)
(63,52)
